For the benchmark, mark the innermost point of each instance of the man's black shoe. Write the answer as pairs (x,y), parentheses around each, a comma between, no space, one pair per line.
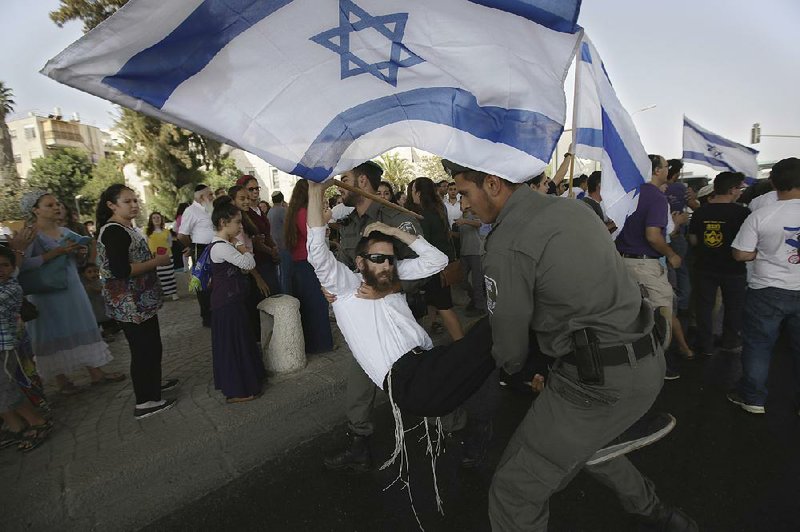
(649,429)
(476,444)
(355,458)
(666,518)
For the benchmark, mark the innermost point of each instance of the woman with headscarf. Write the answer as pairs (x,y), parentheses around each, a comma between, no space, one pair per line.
(65,336)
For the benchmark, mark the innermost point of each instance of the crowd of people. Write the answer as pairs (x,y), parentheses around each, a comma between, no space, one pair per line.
(691,273)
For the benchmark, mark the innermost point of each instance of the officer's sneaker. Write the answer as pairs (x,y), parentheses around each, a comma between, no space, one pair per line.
(170,385)
(356,457)
(649,429)
(666,518)
(737,399)
(152,408)
(671,375)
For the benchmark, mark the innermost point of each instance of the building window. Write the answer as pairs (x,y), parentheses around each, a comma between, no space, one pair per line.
(17,158)
(276,182)
(30,132)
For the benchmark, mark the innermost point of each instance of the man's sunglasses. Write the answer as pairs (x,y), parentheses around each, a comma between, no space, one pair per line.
(253,188)
(379,258)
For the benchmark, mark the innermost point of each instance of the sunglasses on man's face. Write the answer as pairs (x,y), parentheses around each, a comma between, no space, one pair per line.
(253,188)
(379,258)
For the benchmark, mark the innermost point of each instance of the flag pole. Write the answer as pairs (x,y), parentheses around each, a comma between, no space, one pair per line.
(571,194)
(377,199)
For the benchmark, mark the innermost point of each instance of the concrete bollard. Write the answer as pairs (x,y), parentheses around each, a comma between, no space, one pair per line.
(282,334)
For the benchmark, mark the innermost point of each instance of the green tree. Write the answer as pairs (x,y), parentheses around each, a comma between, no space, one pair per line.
(431,166)
(107,172)
(90,12)
(63,173)
(8,169)
(396,170)
(10,194)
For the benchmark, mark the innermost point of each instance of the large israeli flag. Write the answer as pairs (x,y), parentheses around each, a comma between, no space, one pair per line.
(605,132)
(701,146)
(316,87)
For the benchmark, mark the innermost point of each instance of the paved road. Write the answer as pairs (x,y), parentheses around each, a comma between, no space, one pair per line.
(729,469)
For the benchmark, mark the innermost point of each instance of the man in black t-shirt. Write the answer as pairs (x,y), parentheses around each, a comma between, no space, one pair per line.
(711,232)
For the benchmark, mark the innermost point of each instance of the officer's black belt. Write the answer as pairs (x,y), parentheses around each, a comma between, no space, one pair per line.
(632,256)
(618,354)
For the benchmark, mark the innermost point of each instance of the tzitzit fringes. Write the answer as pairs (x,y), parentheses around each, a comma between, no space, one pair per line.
(434,455)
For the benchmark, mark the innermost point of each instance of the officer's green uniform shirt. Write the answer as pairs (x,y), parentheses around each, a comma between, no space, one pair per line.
(353,228)
(551,267)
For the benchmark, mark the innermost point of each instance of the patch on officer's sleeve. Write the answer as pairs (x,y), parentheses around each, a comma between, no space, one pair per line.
(408,227)
(491,293)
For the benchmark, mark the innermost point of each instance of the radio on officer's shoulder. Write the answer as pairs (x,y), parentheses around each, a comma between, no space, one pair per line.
(587,357)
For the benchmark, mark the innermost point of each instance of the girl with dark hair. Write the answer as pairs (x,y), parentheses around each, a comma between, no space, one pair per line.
(133,294)
(65,336)
(238,369)
(305,285)
(435,229)
(386,191)
(159,240)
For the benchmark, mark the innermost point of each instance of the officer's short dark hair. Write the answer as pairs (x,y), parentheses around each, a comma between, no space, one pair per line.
(535,180)
(475,176)
(372,171)
(366,241)
(593,183)
(725,181)
(9,254)
(786,174)
(674,167)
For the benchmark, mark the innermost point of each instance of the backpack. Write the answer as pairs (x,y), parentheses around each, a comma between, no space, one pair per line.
(200,280)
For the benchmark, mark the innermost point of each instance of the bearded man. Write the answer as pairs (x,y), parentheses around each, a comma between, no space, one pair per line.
(195,233)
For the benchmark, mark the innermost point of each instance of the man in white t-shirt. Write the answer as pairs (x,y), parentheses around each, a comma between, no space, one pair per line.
(452,204)
(196,232)
(770,237)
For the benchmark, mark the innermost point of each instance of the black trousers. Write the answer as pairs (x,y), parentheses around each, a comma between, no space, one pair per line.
(434,383)
(203,296)
(145,343)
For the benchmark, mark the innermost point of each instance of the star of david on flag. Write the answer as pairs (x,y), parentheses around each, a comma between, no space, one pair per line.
(701,146)
(390,26)
(316,87)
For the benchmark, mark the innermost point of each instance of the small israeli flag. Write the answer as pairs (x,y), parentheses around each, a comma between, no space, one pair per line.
(316,87)
(701,146)
(605,132)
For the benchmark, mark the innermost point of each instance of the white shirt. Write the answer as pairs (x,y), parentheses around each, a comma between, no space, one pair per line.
(378,331)
(763,200)
(196,224)
(340,211)
(453,211)
(226,252)
(774,233)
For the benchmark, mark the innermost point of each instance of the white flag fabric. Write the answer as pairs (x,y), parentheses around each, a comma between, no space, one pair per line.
(316,87)
(605,132)
(701,146)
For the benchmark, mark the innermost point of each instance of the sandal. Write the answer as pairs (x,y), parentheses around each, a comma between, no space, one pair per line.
(688,354)
(234,400)
(33,438)
(109,377)
(9,438)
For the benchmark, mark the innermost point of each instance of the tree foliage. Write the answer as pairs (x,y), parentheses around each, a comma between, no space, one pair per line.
(107,172)
(63,173)
(396,170)
(8,169)
(431,166)
(90,12)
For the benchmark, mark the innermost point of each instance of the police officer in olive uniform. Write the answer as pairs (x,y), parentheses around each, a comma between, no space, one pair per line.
(609,367)
(360,395)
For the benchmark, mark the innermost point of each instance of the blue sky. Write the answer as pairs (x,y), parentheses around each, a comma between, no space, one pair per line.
(724,63)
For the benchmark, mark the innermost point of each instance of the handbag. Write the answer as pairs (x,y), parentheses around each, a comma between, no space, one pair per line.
(49,277)
(452,274)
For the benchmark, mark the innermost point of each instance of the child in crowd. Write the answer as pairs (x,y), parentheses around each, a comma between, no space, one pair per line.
(24,426)
(238,369)
(90,277)
(159,240)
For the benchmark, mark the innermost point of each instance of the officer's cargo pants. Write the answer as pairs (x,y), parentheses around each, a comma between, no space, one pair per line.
(565,426)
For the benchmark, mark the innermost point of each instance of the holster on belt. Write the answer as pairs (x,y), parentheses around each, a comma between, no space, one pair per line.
(660,326)
(587,357)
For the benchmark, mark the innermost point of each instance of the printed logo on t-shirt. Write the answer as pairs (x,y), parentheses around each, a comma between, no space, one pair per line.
(794,244)
(491,293)
(407,227)
(712,236)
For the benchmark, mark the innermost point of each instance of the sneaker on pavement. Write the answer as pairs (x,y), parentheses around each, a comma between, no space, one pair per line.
(147,411)
(737,399)
(671,375)
(668,518)
(356,457)
(169,384)
(649,429)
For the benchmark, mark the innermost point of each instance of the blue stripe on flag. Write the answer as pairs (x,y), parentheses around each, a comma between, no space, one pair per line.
(530,132)
(558,15)
(589,137)
(153,74)
(697,156)
(716,139)
(627,172)
(586,54)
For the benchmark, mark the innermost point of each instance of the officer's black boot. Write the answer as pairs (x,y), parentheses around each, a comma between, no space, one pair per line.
(355,458)
(666,518)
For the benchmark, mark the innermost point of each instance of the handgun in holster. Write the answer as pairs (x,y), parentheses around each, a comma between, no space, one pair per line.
(587,357)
